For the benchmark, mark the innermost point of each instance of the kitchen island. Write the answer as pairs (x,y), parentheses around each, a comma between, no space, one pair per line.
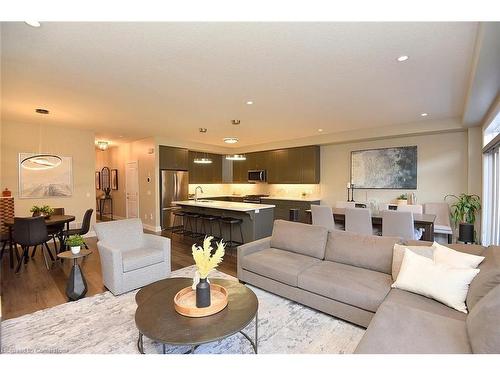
(257,219)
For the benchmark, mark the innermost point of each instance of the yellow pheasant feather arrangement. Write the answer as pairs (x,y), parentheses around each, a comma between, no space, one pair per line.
(204,259)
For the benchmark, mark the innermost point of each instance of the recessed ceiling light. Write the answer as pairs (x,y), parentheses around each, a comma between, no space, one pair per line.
(42,111)
(235,122)
(320,130)
(230,140)
(202,130)
(403,58)
(424,114)
(250,102)
(32,23)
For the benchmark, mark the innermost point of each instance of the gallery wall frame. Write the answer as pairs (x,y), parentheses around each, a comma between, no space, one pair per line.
(114,179)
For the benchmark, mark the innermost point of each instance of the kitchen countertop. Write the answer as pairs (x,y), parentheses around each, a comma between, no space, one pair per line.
(222,205)
(306,199)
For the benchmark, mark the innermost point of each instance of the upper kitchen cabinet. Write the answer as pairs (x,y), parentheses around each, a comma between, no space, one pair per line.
(240,171)
(174,158)
(205,173)
(299,165)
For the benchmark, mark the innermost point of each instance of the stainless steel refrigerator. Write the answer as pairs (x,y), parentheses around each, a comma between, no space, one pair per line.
(174,187)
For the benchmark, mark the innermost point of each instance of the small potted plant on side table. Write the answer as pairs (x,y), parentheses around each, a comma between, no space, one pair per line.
(75,243)
(463,213)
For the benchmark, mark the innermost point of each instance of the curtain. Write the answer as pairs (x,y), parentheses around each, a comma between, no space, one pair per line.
(491,197)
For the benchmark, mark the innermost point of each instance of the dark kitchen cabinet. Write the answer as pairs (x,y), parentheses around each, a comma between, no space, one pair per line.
(282,208)
(205,173)
(240,171)
(299,165)
(174,158)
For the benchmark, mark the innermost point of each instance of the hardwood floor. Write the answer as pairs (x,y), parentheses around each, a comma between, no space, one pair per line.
(36,288)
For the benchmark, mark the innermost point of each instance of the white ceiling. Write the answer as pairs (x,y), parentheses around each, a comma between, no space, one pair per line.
(168,79)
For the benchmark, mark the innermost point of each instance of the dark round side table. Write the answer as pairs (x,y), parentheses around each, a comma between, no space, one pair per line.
(77,285)
(157,319)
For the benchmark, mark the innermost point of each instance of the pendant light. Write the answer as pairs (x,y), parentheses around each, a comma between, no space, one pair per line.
(203,160)
(41,161)
(236,157)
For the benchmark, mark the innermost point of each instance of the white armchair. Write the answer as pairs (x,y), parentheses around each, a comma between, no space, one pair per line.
(130,258)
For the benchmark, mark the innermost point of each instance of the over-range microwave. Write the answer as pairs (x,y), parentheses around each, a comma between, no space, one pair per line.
(257,175)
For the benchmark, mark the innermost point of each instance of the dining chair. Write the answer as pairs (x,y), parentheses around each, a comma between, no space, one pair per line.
(345,204)
(53,230)
(398,224)
(358,220)
(415,208)
(442,223)
(31,231)
(84,229)
(322,216)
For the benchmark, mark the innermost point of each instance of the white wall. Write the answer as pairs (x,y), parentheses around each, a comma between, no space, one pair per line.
(441,168)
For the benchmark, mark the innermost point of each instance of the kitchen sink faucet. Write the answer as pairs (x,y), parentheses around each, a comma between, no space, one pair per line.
(196,193)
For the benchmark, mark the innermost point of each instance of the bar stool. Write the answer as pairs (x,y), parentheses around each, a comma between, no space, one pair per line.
(192,218)
(180,228)
(231,221)
(210,220)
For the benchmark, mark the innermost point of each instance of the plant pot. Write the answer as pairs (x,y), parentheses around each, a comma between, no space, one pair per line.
(466,233)
(75,249)
(203,293)
(402,202)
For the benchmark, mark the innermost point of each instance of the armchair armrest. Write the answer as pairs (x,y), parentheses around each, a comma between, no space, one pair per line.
(112,266)
(253,247)
(158,242)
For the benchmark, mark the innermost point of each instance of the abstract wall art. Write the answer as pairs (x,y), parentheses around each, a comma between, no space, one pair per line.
(385,168)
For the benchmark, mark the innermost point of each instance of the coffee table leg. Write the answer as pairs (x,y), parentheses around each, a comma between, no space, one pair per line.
(140,344)
(253,343)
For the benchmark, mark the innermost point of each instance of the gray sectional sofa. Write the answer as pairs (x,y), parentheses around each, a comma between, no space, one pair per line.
(348,276)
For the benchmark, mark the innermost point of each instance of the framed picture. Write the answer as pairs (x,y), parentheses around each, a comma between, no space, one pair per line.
(56,182)
(98,180)
(385,168)
(114,179)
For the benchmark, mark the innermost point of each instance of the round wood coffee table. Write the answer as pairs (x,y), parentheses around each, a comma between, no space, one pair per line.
(157,319)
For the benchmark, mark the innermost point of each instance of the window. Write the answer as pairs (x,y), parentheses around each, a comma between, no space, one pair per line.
(491,183)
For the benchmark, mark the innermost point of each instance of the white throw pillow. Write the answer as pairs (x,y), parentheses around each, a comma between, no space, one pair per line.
(453,258)
(398,253)
(444,284)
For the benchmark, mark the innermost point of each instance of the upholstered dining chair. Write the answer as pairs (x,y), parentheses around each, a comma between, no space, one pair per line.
(322,216)
(345,204)
(84,229)
(415,208)
(31,231)
(398,224)
(442,224)
(130,258)
(358,220)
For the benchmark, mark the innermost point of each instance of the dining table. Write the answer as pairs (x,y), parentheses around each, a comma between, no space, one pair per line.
(50,221)
(424,221)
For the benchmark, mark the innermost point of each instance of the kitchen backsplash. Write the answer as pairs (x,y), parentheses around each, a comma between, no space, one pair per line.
(278,190)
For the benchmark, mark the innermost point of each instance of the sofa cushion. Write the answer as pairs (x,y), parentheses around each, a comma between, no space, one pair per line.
(277,264)
(407,323)
(464,248)
(365,251)
(300,238)
(483,324)
(140,258)
(487,279)
(355,286)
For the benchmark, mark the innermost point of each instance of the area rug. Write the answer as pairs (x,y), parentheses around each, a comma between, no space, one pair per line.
(104,324)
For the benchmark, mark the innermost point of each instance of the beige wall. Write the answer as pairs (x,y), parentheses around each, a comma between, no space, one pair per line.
(79,144)
(442,168)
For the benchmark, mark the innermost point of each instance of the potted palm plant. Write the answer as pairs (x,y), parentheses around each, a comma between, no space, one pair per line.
(75,243)
(463,214)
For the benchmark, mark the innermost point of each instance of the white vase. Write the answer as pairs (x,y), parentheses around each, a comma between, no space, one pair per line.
(75,249)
